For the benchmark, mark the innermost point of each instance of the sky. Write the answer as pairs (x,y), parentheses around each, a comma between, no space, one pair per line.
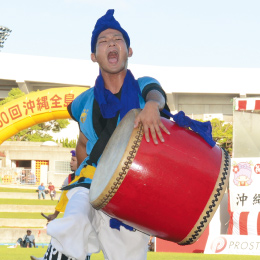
(178,33)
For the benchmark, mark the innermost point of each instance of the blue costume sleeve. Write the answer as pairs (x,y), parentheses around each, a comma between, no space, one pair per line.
(76,107)
(144,81)
(147,84)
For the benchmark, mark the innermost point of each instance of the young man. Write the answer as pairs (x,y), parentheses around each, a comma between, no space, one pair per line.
(73,167)
(41,191)
(83,229)
(27,241)
(52,191)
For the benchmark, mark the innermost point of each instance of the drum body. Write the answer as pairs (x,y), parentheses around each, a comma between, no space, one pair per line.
(170,190)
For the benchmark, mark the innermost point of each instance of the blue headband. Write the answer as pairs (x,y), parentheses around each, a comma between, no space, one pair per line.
(73,153)
(107,22)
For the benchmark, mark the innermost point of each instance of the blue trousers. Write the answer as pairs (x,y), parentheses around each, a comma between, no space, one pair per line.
(41,192)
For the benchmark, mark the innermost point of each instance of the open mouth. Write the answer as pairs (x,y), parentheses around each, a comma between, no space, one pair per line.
(112,57)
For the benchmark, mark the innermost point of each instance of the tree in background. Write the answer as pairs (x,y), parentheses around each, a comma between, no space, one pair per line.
(13,94)
(222,134)
(36,133)
(66,143)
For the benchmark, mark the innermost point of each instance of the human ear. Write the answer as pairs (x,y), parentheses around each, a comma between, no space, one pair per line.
(93,57)
(130,52)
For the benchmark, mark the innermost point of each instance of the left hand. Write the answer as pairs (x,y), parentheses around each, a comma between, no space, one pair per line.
(150,118)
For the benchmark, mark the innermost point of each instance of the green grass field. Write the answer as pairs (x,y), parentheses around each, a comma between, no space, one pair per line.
(28,202)
(31,190)
(25,215)
(24,254)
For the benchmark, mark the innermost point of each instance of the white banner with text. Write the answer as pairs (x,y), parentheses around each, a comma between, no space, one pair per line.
(244,185)
(234,245)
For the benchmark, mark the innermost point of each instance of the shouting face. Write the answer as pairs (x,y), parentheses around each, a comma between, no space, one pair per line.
(111,52)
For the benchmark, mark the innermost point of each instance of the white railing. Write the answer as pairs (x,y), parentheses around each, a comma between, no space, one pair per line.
(16,176)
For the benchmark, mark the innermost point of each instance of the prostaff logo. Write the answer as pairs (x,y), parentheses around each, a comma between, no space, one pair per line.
(219,244)
(83,116)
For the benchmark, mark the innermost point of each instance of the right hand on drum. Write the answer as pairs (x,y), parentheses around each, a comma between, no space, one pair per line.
(150,118)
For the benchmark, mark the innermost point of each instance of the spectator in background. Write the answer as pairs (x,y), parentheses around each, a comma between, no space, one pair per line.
(27,241)
(41,191)
(52,191)
(23,176)
(31,178)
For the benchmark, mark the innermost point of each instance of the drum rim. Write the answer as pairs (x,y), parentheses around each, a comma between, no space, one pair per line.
(213,202)
(122,168)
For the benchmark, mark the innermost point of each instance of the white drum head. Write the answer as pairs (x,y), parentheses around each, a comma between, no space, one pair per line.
(112,159)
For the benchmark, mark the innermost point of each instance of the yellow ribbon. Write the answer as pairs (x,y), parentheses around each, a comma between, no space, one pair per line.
(87,172)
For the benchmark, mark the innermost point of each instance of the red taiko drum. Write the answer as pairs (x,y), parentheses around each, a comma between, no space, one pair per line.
(170,190)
